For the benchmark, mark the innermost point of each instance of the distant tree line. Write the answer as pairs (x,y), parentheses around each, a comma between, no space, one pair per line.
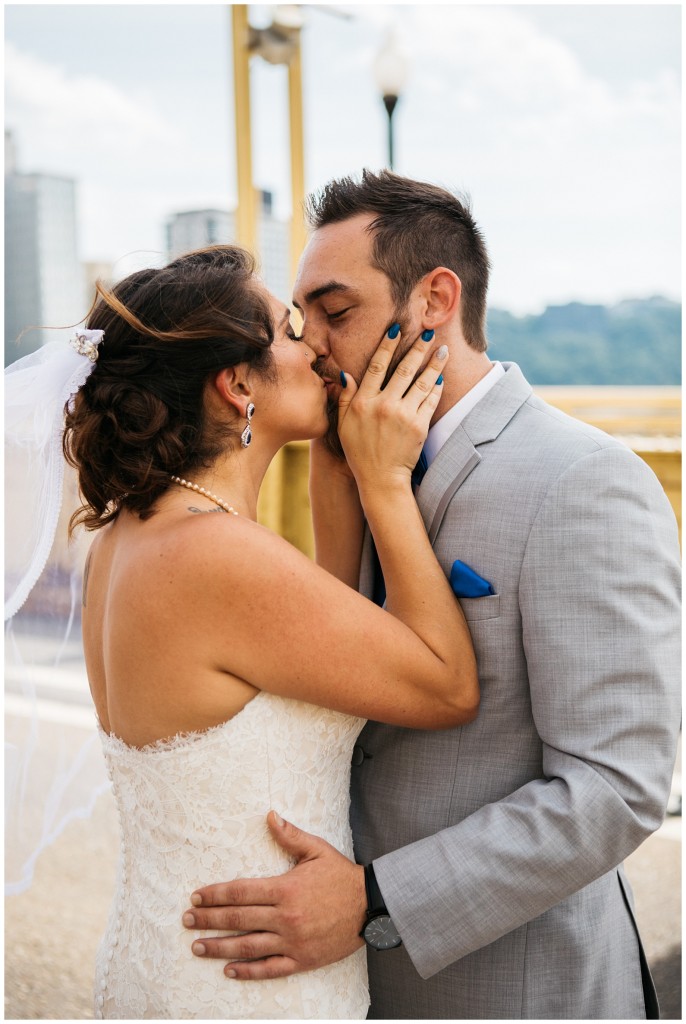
(637,341)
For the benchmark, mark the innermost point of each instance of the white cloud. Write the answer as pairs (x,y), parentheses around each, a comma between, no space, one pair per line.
(133,164)
(79,116)
(571,156)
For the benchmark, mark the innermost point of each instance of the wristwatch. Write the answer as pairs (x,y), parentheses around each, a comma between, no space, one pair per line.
(379,931)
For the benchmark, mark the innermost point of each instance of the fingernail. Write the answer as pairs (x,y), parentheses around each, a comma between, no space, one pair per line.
(343,380)
(198,949)
(188,920)
(278,819)
(196,899)
(428,335)
(442,352)
(440,379)
(230,974)
(394,331)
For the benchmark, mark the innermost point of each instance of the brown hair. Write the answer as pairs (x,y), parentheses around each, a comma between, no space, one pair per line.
(417,227)
(140,416)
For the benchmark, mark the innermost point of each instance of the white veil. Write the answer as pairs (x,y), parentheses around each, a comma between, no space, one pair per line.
(53,765)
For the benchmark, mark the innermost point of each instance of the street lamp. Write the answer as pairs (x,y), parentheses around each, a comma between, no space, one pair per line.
(391,69)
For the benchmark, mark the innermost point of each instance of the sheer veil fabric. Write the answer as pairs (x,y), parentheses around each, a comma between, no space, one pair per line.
(53,766)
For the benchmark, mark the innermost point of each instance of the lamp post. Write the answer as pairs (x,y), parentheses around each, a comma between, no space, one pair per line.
(279,43)
(391,69)
(246,226)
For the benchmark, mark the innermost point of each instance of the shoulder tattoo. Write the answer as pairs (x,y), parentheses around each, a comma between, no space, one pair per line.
(203,511)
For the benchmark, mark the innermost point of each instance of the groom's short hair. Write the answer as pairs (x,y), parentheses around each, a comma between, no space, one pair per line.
(417,227)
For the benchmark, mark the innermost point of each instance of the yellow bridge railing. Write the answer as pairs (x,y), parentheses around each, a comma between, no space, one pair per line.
(647,419)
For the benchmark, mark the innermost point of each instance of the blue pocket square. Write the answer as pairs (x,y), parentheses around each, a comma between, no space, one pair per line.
(467,583)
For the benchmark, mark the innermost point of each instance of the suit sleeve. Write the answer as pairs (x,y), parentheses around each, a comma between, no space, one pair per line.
(599,605)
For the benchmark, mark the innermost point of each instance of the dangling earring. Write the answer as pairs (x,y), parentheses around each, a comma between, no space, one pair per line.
(246,436)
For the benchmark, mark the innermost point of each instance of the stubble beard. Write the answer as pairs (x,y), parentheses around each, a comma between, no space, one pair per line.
(332,441)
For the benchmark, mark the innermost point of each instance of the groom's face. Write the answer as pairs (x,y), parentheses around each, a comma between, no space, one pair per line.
(346,302)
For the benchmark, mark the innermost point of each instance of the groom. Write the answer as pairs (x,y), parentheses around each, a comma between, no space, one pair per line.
(497,847)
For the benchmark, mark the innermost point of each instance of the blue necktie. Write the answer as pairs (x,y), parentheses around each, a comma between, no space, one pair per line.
(419,471)
(379,593)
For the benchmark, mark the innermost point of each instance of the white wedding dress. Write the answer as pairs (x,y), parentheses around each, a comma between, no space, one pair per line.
(192,811)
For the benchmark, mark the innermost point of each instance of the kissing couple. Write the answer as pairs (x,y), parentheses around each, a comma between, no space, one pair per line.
(482,666)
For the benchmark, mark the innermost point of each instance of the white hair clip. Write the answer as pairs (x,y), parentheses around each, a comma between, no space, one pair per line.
(86,342)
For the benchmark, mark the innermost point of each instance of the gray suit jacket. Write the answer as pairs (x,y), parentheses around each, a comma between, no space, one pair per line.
(498,845)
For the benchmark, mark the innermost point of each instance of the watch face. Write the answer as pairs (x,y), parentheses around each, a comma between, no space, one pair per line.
(381,933)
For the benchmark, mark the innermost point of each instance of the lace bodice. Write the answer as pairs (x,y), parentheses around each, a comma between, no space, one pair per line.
(192,811)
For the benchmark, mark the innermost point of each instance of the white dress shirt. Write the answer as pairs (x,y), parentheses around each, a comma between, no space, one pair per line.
(441,431)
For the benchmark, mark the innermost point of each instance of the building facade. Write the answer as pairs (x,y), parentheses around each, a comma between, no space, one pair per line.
(193,229)
(43,276)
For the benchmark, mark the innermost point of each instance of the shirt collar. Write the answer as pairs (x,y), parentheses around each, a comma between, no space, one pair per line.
(441,431)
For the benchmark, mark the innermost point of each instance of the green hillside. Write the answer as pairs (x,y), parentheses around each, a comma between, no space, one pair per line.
(635,342)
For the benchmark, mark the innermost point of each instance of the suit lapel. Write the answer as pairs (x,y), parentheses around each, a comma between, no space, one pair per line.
(459,455)
(455,461)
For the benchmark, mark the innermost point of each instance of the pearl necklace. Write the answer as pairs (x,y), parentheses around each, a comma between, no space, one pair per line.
(201,490)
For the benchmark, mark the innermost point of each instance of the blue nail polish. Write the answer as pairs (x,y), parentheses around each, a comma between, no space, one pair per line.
(394,331)
(440,379)
(428,335)
(344,383)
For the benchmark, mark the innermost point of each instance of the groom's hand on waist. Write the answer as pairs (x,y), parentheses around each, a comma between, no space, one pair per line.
(308,917)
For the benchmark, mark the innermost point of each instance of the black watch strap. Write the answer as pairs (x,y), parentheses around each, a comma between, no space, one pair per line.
(375,901)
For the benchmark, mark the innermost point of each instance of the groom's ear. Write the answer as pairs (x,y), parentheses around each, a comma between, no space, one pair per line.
(440,292)
(231,386)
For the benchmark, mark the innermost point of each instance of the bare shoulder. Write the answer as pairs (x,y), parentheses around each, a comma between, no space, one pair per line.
(227,549)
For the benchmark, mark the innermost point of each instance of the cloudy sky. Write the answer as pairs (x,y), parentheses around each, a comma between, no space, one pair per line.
(561,121)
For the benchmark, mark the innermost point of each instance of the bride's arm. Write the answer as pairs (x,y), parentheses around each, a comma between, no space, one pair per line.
(382,432)
(337,515)
(296,631)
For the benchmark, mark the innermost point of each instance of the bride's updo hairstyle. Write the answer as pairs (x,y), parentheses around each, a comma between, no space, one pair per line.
(141,414)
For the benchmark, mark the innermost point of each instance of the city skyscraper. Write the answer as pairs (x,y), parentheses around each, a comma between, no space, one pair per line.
(43,276)
(193,229)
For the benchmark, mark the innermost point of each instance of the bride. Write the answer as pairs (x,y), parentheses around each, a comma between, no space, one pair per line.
(230,674)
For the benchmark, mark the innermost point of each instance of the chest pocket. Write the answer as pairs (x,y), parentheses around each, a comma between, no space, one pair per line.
(476,608)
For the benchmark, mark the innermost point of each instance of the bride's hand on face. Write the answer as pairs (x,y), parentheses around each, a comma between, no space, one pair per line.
(383,431)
